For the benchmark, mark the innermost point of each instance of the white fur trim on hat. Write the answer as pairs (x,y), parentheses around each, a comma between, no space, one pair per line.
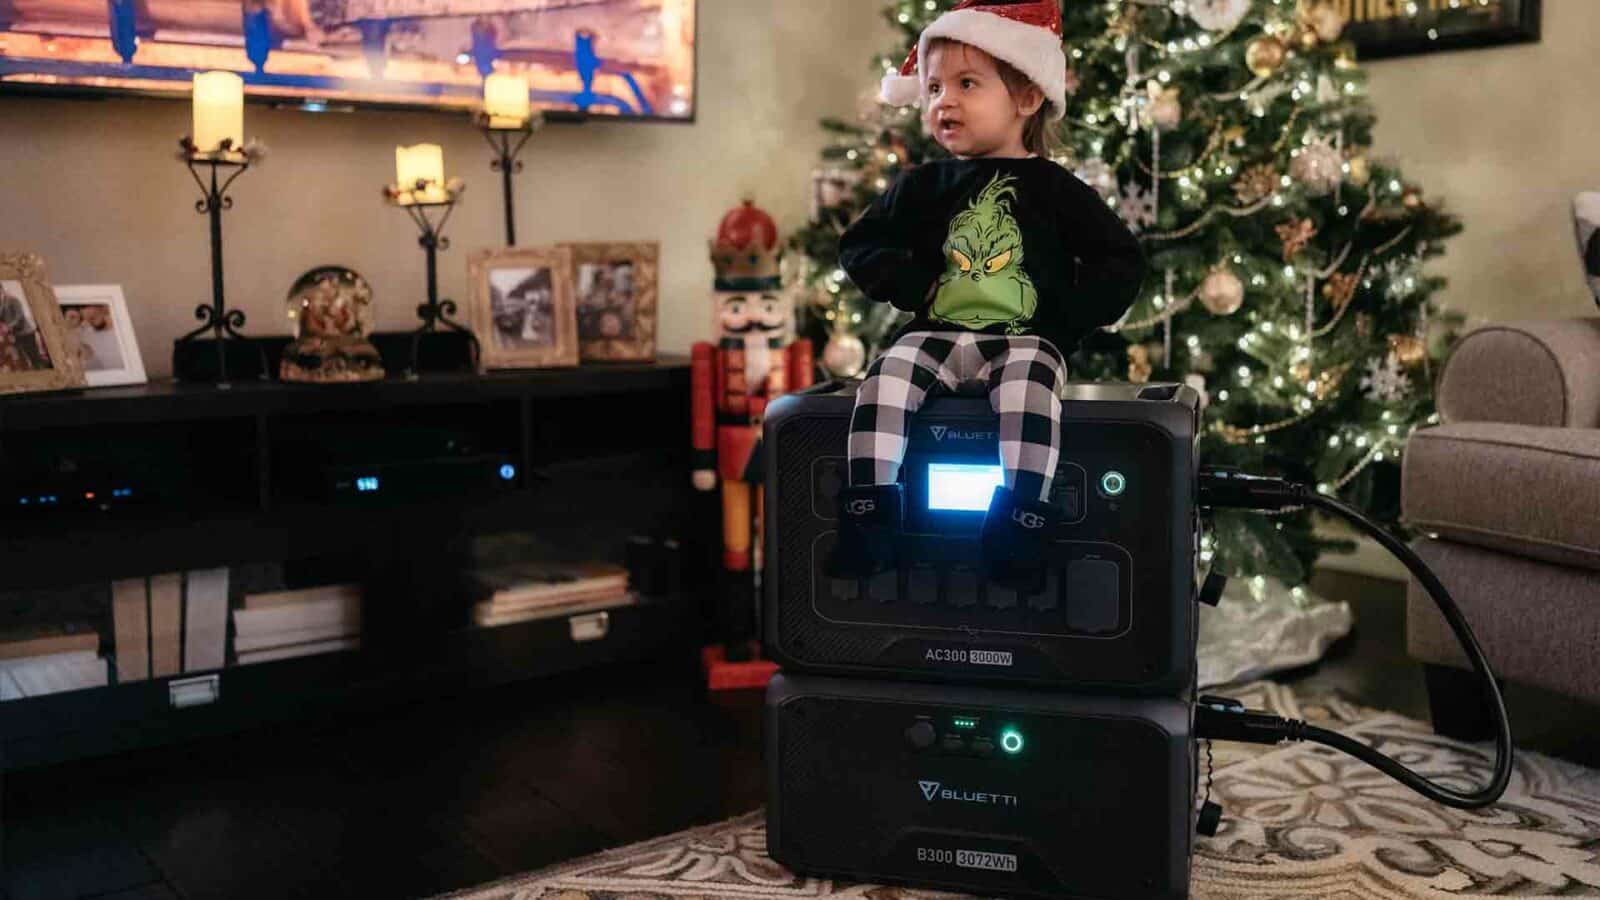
(900,90)
(1034,51)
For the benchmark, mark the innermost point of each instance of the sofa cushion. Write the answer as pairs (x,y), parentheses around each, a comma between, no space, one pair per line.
(1519,489)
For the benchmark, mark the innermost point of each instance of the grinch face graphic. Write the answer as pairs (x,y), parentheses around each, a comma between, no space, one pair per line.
(983,283)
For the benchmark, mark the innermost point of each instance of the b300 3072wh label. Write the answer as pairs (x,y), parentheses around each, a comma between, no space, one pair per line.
(969,859)
(996,862)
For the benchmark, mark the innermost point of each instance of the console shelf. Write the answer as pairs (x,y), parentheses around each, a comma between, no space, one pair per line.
(602,451)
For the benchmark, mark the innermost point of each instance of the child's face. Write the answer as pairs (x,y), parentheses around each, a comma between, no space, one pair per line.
(970,112)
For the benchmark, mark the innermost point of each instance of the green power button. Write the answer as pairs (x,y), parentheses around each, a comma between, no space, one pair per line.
(1113,483)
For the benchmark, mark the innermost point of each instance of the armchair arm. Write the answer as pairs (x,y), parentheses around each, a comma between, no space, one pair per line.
(1531,372)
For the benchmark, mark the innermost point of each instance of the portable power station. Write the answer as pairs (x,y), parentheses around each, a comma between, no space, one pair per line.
(1118,610)
(984,790)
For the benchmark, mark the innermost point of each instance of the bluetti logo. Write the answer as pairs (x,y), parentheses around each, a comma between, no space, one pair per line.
(933,790)
(943,432)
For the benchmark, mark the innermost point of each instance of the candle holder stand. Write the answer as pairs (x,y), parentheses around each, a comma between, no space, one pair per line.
(216,318)
(435,312)
(507,142)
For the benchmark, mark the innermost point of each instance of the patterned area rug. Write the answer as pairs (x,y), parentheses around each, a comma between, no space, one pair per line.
(1301,821)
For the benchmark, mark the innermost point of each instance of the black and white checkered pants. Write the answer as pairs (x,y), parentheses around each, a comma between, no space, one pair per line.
(1024,375)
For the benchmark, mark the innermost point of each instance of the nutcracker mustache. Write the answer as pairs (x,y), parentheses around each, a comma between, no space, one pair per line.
(753,326)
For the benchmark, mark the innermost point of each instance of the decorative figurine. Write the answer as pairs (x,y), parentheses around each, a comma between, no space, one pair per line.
(754,360)
(332,310)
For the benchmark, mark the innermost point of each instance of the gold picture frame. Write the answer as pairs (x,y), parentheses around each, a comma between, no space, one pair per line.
(522,308)
(615,288)
(34,351)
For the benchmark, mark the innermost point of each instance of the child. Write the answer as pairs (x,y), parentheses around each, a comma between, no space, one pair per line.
(1005,259)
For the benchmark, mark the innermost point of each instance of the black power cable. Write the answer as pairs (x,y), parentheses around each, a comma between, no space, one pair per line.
(1227,720)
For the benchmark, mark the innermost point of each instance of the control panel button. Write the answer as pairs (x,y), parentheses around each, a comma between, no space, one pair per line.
(921,735)
(983,748)
(1113,483)
(953,743)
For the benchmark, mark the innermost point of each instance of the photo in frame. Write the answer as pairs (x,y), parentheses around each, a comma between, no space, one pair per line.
(35,353)
(522,307)
(97,322)
(615,285)
(1387,28)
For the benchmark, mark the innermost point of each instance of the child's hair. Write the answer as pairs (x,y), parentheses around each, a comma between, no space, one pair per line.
(1036,135)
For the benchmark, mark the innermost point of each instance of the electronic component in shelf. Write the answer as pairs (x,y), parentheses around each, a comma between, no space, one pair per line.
(453,476)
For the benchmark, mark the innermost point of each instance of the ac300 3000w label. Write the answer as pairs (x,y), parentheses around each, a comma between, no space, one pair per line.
(975,657)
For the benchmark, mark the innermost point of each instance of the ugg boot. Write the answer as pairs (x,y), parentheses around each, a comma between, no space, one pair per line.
(1016,533)
(869,528)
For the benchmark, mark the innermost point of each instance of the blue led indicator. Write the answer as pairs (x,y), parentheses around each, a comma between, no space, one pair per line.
(23,500)
(1113,483)
(367,485)
(508,472)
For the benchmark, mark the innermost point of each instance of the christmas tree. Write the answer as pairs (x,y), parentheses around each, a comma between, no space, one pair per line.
(1234,138)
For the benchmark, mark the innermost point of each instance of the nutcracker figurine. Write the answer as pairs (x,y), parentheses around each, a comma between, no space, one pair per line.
(754,360)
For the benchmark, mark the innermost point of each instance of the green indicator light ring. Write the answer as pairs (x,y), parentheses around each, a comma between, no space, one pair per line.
(1113,483)
(1011,742)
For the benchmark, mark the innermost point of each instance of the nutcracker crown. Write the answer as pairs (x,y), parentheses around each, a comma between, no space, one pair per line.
(746,250)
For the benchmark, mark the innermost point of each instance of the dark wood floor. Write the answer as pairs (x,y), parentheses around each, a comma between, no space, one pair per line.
(445,795)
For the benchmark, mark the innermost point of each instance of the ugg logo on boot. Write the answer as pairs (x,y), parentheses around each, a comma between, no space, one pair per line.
(862,507)
(1027,519)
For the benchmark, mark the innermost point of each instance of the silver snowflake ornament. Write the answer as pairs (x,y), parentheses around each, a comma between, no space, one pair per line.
(1385,381)
(1137,207)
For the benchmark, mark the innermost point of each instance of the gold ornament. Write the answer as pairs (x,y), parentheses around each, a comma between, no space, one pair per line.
(1360,171)
(1139,367)
(1318,167)
(1257,183)
(1339,289)
(1306,39)
(845,355)
(1295,236)
(1222,292)
(1408,349)
(1164,111)
(1412,198)
(1328,380)
(1301,371)
(1265,55)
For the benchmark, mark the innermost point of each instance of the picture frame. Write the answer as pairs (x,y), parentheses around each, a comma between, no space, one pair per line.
(34,350)
(1382,29)
(97,321)
(615,288)
(522,307)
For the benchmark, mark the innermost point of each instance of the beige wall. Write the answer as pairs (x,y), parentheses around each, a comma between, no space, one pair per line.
(1505,136)
(95,186)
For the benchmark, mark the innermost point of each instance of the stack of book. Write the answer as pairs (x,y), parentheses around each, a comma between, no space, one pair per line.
(297,623)
(48,659)
(521,592)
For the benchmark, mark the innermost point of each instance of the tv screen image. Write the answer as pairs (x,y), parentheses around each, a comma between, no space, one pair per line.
(606,57)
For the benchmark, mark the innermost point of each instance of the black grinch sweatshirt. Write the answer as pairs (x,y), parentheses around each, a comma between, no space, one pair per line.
(1000,246)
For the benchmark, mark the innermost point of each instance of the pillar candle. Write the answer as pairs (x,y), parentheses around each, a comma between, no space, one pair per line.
(505,100)
(423,162)
(218,110)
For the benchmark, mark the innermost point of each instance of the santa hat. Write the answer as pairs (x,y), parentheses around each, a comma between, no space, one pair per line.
(1024,33)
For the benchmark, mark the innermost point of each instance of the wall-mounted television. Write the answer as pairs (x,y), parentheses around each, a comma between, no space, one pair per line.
(633,58)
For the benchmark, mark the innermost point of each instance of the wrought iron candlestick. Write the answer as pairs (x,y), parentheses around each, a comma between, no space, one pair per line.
(217,318)
(507,142)
(435,312)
